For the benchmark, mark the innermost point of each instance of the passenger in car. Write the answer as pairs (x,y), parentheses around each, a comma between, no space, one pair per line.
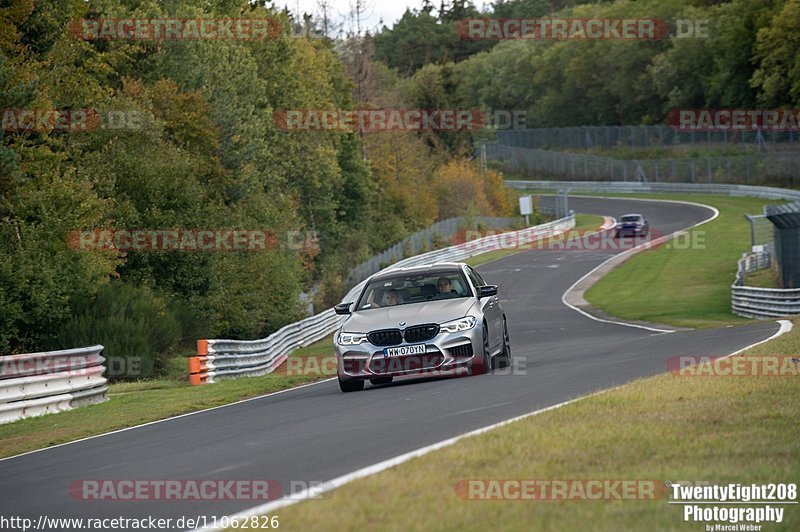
(443,286)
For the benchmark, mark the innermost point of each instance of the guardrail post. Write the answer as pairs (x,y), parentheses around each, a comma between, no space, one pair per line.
(198,370)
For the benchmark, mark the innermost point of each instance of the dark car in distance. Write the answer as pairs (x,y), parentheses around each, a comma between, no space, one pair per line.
(632,224)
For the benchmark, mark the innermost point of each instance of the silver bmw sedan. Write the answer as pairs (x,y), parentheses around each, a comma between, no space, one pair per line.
(440,319)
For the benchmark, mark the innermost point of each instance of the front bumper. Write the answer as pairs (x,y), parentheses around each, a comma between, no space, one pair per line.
(635,231)
(445,353)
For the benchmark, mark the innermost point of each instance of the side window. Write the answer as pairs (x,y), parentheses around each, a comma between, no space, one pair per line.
(475,278)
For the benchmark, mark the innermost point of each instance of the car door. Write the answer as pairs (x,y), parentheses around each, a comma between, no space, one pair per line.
(491,310)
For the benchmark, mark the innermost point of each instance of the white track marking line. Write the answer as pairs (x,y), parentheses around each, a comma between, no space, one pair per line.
(166,419)
(632,251)
(330,485)
(316,491)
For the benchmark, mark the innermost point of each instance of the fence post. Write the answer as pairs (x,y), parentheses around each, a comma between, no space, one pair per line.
(641,176)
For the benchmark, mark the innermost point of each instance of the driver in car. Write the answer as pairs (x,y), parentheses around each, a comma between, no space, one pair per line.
(391,297)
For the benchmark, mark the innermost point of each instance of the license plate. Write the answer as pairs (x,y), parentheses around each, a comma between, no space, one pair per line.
(416,349)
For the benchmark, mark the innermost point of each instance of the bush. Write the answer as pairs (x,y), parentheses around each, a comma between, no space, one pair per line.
(135,327)
(193,324)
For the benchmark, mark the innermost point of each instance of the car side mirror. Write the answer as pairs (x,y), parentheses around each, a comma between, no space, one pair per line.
(342,308)
(487,290)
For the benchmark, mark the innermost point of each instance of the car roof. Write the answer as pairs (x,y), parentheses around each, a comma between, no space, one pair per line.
(437,267)
(632,214)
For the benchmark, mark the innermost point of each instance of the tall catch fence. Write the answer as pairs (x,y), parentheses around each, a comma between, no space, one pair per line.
(751,169)
(585,137)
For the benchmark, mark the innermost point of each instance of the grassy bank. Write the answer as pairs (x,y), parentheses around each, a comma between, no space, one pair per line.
(679,285)
(766,278)
(135,403)
(669,427)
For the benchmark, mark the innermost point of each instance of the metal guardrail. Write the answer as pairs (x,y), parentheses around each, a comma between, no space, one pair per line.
(765,303)
(33,384)
(237,358)
(415,243)
(583,137)
(623,187)
(751,262)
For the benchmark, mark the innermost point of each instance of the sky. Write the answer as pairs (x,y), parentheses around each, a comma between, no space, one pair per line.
(388,10)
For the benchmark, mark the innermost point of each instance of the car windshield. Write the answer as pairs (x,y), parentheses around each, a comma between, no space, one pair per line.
(404,289)
(630,218)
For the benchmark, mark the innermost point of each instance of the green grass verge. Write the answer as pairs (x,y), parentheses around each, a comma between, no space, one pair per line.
(676,151)
(583,223)
(678,286)
(766,278)
(719,430)
(134,403)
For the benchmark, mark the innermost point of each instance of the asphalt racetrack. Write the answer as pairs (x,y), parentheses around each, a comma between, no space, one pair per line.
(316,433)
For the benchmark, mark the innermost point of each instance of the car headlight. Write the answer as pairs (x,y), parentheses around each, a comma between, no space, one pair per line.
(351,338)
(463,324)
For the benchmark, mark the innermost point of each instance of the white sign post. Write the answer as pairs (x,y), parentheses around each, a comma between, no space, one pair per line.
(526,207)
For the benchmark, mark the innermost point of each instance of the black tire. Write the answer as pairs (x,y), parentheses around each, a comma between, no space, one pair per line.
(381,380)
(483,365)
(504,359)
(351,385)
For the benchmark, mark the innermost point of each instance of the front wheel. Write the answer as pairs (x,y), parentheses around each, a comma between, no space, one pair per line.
(483,365)
(350,385)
